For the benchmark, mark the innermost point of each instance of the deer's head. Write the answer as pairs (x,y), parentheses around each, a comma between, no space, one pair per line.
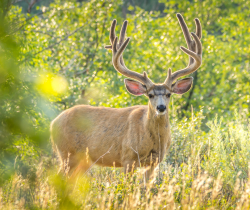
(158,94)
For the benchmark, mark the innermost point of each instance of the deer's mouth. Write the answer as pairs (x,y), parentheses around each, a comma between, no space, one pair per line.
(160,113)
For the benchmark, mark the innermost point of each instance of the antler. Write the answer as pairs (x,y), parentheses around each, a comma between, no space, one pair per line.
(194,51)
(122,36)
(117,59)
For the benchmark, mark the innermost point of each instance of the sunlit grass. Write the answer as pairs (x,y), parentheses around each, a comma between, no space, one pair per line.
(202,170)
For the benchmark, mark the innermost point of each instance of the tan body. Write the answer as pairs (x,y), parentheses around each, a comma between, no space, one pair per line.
(124,130)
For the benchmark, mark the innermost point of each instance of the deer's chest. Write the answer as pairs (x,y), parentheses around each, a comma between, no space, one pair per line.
(154,145)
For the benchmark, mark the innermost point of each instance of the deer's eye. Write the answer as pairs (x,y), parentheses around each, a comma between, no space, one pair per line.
(168,95)
(150,96)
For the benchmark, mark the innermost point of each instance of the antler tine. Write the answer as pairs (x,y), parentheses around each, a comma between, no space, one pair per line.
(168,81)
(184,30)
(123,32)
(198,28)
(111,35)
(122,37)
(117,53)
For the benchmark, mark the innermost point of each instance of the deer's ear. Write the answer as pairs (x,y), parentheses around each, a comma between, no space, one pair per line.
(182,86)
(134,87)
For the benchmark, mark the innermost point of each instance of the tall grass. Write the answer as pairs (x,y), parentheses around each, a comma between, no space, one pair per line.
(206,168)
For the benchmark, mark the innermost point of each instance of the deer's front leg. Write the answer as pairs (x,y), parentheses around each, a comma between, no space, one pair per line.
(150,163)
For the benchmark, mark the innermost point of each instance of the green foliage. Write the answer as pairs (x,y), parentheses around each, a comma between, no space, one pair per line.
(23,112)
(229,149)
(223,149)
(54,58)
(74,48)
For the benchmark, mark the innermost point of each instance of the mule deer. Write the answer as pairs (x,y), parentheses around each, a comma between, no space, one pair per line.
(127,136)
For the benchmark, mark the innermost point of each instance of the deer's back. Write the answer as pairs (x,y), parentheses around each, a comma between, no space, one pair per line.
(98,128)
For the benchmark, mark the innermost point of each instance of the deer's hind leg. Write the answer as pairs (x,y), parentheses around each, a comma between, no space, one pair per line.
(79,165)
(69,162)
(60,159)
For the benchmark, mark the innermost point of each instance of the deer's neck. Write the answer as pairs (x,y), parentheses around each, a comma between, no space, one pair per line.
(157,124)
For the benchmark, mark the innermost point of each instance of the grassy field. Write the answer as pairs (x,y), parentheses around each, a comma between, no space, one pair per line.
(52,57)
(202,170)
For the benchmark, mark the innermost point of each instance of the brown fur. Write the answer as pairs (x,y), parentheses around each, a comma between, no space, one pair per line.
(99,129)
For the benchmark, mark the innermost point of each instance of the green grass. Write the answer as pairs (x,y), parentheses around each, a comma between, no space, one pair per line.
(202,170)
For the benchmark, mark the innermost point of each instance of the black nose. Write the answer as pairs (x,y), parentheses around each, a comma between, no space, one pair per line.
(161,108)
